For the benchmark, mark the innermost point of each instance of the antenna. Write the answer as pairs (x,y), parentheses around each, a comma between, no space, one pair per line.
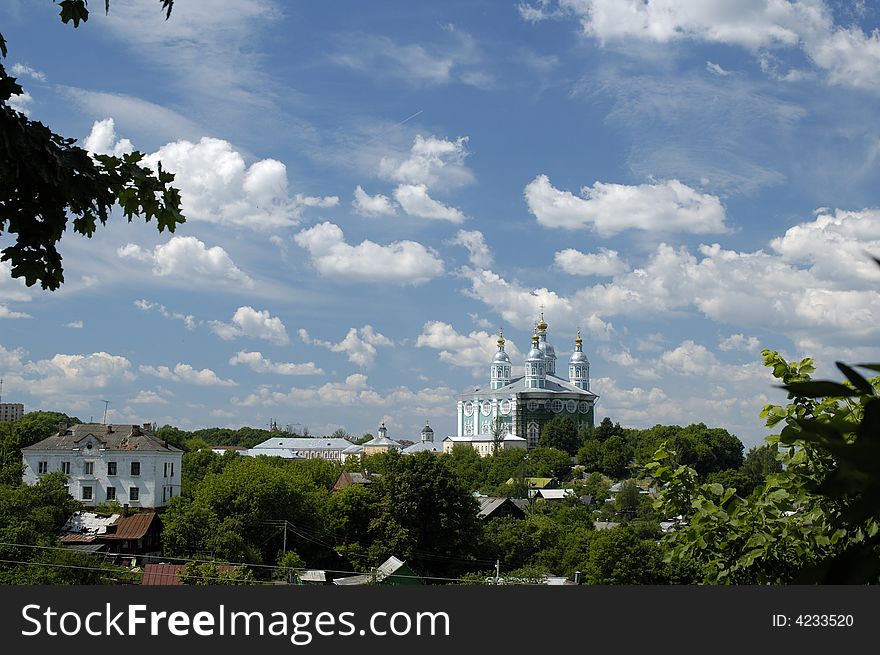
(106,403)
(1,390)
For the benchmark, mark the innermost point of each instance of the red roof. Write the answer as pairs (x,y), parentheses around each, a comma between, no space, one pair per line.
(132,527)
(162,574)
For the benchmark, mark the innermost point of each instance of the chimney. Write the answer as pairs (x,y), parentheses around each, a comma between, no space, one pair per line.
(125,510)
(109,429)
(165,443)
(62,427)
(148,427)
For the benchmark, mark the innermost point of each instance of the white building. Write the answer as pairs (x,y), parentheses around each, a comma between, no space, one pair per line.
(125,463)
(484,444)
(302,448)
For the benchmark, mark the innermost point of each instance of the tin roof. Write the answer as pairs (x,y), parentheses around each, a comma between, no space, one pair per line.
(107,437)
(133,527)
(162,574)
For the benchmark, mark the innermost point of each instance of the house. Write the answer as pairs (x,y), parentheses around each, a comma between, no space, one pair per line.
(392,571)
(125,463)
(349,478)
(536,483)
(134,534)
(169,574)
(553,494)
(492,507)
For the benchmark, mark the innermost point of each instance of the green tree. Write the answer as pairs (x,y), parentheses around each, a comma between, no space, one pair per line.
(627,499)
(615,457)
(618,557)
(46,181)
(424,516)
(760,462)
(590,455)
(549,463)
(561,433)
(817,519)
(214,574)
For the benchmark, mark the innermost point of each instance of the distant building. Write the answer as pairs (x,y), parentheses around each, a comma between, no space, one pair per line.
(329,448)
(484,444)
(523,404)
(125,463)
(11,412)
(425,444)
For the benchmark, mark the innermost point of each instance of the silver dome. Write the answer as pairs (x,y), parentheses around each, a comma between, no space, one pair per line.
(578,357)
(501,357)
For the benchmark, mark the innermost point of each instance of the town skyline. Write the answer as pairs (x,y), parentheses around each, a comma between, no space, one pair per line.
(372,193)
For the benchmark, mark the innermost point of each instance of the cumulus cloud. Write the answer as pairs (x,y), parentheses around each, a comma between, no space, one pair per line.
(145,397)
(478,252)
(21,102)
(416,202)
(186,374)
(72,373)
(74,325)
(367,205)
(605,263)
(739,342)
(188,259)
(5,312)
(102,140)
(797,292)
(359,344)
(473,351)
(256,362)
(400,262)
(249,322)
(355,391)
(848,55)
(669,206)
(431,161)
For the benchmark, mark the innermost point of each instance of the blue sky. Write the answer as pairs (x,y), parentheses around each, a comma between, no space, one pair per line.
(374,189)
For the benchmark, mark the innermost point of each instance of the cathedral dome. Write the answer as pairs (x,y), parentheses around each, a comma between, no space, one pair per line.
(578,356)
(501,357)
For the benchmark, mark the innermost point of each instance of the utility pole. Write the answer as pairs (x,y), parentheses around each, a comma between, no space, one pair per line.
(497,570)
(106,404)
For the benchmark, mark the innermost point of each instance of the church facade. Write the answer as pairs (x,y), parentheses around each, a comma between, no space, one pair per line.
(523,404)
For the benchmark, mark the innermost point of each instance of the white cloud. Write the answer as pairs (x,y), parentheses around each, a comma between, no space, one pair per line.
(21,102)
(260,364)
(458,60)
(400,262)
(603,263)
(74,325)
(739,342)
(248,322)
(102,140)
(187,259)
(218,187)
(189,321)
(12,289)
(145,397)
(18,69)
(186,374)
(432,162)
(611,208)
(367,205)
(803,293)
(75,373)
(416,202)
(689,359)
(478,252)
(355,392)
(716,69)
(5,312)
(473,351)
(359,344)
(848,55)
(12,360)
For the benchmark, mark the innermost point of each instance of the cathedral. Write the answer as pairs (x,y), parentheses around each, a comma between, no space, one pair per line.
(523,404)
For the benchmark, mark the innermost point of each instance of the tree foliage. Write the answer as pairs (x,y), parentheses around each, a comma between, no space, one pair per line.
(47,182)
(561,433)
(814,521)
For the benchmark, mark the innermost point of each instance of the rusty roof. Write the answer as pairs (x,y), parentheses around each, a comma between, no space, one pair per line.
(162,574)
(132,527)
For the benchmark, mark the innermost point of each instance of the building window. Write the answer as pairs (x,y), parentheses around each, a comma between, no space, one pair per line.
(111,493)
(65,468)
(135,468)
(172,470)
(165,470)
(134,493)
(86,493)
(533,435)
(111,468)
(556,405)
(42,467)
(88,468)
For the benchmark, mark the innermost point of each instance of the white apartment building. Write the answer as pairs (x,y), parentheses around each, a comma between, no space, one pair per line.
(125,463)
(484,444)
